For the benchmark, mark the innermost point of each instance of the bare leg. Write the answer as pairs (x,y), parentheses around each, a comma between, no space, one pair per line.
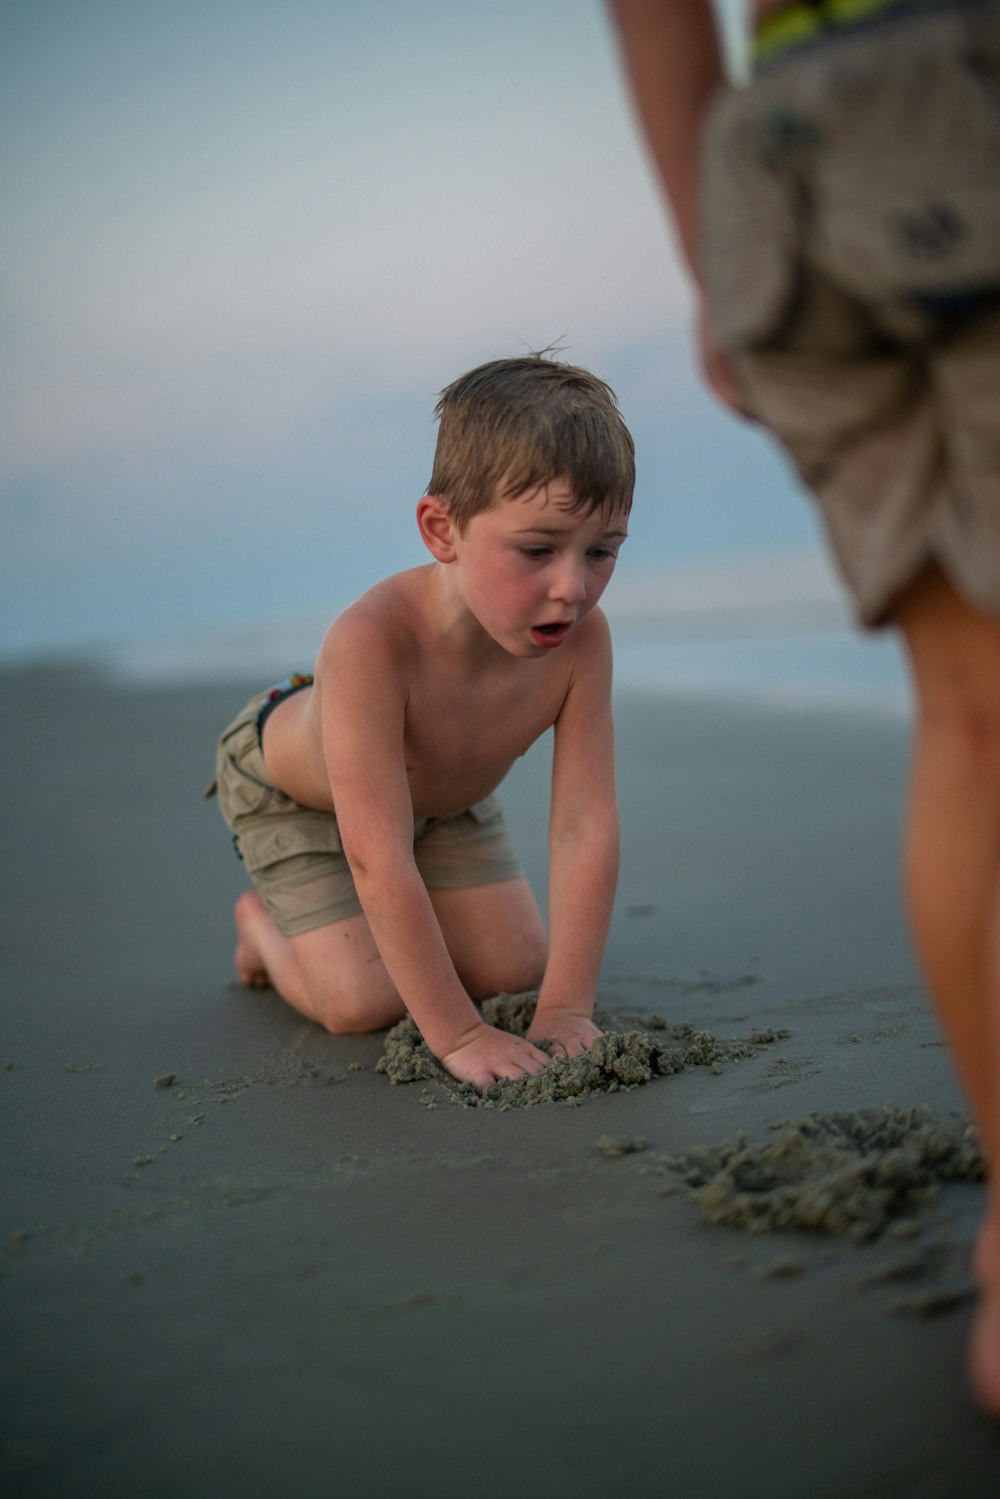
(251,968)
(953,879)
(334,974)
(495,936)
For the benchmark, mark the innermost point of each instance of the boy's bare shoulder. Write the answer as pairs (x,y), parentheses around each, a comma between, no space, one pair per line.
(592,642)
(596,627)
(383,620)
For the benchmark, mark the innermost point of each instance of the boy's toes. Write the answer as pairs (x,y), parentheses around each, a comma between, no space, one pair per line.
(251,974)
(250,969)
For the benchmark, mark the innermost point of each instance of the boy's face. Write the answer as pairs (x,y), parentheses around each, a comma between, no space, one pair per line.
(530,568)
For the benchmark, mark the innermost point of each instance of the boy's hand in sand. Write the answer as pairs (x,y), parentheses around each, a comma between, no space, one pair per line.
(488,1055)
(570,1034)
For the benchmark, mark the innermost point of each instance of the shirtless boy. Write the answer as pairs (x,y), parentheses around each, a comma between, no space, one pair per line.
(361,797)
(839,218)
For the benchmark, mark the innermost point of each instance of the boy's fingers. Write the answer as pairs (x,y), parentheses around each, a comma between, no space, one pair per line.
(516,1058)
(534,1065)
(528,1065)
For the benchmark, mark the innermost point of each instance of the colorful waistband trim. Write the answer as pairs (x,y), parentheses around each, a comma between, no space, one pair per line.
(804,22)
(290,684)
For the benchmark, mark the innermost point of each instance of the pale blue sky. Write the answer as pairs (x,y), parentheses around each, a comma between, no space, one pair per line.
(243,247)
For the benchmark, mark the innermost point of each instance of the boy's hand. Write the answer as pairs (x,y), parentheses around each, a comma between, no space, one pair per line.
(570,1034)
(489,1055)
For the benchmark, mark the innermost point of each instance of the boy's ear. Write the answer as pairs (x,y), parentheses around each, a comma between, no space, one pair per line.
(437,528)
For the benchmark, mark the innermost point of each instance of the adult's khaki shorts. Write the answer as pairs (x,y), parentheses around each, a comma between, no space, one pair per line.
(851,198)
(294,854)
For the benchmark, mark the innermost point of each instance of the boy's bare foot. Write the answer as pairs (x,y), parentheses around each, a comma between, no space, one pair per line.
(250,966)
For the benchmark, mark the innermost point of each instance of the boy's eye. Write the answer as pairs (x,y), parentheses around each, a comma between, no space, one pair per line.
(535,551)
(604,554)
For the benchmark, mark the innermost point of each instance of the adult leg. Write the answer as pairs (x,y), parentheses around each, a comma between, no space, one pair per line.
(953,882)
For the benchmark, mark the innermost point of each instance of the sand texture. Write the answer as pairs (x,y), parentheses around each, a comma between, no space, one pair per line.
(857,1173)
(618,1059)
(238,1263)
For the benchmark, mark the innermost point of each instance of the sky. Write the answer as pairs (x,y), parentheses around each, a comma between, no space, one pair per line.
(245,243)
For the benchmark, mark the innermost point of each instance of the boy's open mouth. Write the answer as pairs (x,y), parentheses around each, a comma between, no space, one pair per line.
(553,634)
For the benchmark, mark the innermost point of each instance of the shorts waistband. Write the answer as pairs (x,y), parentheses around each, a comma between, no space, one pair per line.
(809,20)
(278,694)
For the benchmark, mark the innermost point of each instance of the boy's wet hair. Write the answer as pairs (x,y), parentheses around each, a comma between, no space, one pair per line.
(513,425)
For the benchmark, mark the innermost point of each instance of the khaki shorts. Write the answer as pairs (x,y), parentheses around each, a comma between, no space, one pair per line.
(851,199)
(294,854)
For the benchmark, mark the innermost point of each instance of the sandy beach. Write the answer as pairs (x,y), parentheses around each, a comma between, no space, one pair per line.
(238,1262)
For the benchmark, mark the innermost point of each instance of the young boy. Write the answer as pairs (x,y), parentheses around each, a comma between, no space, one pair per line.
(846,244)
(361,796)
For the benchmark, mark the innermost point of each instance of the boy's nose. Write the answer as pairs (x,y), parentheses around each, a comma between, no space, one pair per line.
(569,585)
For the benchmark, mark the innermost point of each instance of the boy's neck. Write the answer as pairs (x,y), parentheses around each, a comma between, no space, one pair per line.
(455,629)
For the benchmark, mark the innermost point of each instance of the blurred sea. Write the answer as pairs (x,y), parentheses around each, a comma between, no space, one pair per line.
(773,628)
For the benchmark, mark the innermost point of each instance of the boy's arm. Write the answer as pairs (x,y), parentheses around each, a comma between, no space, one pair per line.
(671,54)
(363,710)
(583,848)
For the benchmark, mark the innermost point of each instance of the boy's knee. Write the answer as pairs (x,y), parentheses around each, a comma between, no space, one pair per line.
(520,969)
(532,963)
(349,1012)
(347,1025)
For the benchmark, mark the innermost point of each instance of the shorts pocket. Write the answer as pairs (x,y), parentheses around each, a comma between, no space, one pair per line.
(241,778)
(268,841)
(749,248)
(922,214)
(241,795)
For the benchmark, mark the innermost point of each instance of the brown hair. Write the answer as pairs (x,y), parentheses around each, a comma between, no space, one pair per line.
(512,425)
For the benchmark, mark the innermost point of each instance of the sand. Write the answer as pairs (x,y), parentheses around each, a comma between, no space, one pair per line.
(860,1173)
(618,1060)
(237,1261)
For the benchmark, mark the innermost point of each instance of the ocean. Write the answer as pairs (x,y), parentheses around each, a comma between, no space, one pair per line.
(774,628)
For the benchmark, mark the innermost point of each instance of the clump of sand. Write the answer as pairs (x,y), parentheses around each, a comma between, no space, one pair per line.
(853,1173)
(617,1060)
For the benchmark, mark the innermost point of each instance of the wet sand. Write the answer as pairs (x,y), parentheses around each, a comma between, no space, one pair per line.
(238,1260)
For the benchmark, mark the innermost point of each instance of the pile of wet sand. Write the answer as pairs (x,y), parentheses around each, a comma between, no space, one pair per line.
(617,1060)
(851,1173)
